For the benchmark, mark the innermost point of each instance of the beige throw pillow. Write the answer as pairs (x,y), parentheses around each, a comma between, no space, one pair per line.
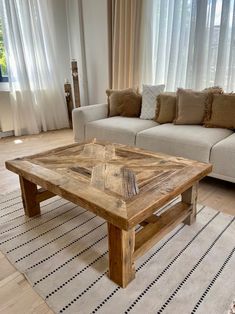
(191,106)
(213,90)
(126,102)
(222,113)
(166,108)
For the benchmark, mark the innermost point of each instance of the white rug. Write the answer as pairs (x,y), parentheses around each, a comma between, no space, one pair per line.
(63,254)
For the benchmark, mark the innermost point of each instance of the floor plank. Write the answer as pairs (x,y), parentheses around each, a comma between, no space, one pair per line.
(16,295)
(217,194)
(13,147)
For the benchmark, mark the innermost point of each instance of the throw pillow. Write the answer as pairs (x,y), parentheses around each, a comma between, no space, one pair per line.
(222,114)
(213,90)
(126,102)
(149,102)
(166,108)
(191,106)
(131,105)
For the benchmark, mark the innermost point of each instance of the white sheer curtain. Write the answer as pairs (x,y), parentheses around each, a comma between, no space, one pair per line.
(188,43)
(75,34)
(37,97)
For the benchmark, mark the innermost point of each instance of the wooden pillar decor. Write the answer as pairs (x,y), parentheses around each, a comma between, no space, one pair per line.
(75,83)
(69,101)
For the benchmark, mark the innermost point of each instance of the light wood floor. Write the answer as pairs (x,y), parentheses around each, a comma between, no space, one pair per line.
(16,295)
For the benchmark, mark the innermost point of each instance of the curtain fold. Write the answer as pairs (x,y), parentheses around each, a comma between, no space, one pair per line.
(36,94)
(75,32)
(124,27)
(188,43)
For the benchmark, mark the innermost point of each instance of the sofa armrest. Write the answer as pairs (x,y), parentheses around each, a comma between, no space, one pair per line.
(86,114)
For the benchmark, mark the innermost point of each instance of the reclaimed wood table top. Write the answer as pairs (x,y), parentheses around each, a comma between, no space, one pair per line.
(122,184)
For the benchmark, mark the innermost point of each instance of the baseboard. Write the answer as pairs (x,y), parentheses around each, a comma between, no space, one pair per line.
(6,134)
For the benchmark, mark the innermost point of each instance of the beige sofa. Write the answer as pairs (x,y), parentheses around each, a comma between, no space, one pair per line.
(213,145)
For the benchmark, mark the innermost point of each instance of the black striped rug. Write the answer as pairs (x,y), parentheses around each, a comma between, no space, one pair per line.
(63,254)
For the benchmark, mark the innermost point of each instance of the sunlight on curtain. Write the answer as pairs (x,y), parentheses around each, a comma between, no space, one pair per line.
(37,98)
(125,24)
(188,43)
(76,40)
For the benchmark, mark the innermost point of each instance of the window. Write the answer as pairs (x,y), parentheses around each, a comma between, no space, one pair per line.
(3,64)
(189,43)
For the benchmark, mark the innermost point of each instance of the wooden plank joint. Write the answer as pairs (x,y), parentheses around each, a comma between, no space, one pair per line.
(43,195)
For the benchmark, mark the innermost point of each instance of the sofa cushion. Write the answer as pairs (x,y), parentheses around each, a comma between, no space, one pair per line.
(166,108)
(149,100)
(126,102)
(213,90)
(191,106)
(189,141)
(222,113)
(117,129)
(223,157)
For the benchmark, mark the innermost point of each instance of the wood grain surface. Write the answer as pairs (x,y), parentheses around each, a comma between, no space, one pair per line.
(124,185)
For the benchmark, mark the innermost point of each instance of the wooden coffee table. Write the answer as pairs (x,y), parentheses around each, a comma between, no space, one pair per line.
(124,185)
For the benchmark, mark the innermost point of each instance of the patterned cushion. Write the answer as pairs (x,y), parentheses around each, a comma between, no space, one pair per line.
(149,100)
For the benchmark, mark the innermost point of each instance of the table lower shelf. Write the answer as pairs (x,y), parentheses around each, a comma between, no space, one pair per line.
(125,246)
(157,227)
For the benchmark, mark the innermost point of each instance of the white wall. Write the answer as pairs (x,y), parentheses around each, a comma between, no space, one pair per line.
(96,49)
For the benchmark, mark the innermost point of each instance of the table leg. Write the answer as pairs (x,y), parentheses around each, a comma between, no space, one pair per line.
(190,197)
(121,249)
(29,193)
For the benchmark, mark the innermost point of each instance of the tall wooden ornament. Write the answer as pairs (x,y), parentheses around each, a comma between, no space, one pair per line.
(69,101)
(75,83)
